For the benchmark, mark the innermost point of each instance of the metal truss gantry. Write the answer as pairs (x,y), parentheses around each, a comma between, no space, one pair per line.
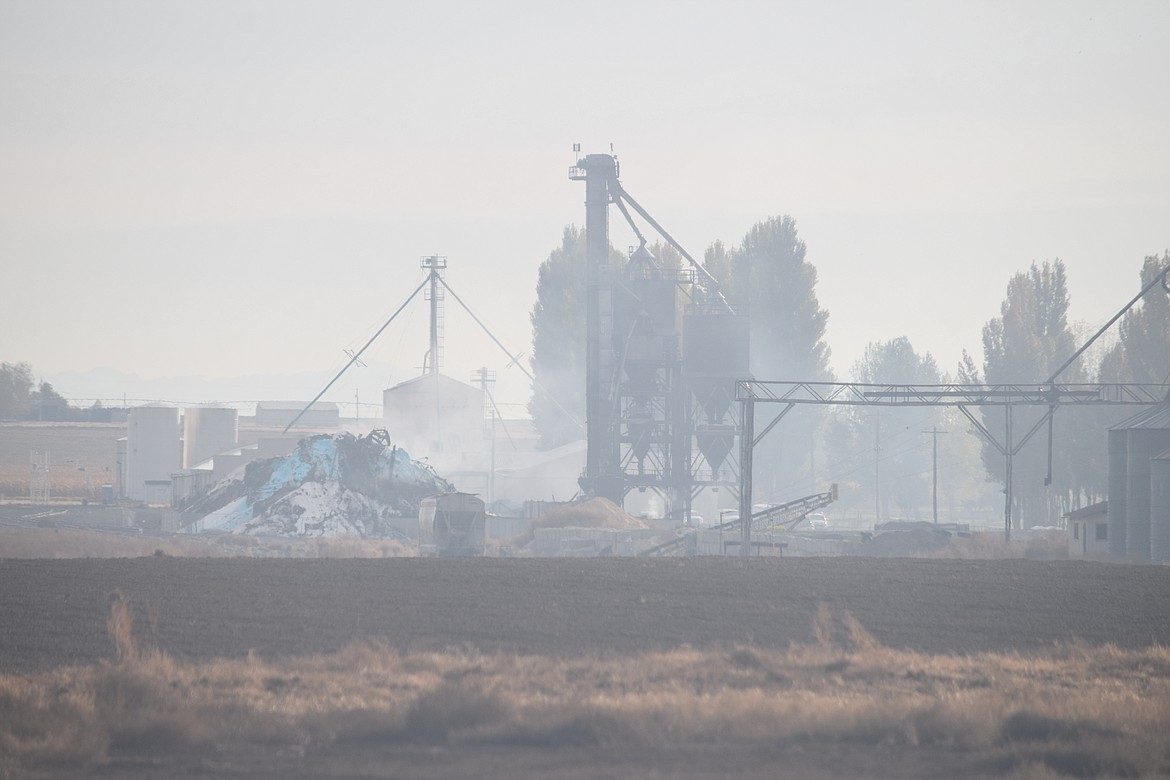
(1051,395)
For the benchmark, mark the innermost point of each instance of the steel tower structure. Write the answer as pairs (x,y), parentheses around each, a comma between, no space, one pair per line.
(603,474)
(662,356)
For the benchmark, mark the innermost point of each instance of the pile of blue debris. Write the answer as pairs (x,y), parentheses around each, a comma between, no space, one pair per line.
(330,485)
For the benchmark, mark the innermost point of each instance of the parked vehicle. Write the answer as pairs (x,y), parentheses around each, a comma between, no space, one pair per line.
(451,524)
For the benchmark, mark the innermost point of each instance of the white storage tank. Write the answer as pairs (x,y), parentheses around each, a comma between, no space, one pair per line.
(153,449)
(208,431)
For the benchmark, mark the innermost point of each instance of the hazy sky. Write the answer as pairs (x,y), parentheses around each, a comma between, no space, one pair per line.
(226,189)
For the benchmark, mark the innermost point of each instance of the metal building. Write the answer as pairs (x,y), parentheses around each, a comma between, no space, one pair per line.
(1160,508)
(1146,437)
(1088,531)
(278,414)
(1117,438)
(433,414)
(208,431)
(153,449)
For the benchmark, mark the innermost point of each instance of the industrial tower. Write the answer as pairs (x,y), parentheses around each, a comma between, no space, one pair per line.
(663,351)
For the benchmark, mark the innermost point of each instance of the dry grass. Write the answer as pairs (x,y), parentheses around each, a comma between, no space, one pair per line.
(1049,546)
(1078,710)
(82,543)
(83,456)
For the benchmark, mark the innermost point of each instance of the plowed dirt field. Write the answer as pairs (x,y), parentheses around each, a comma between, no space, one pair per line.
(54,612)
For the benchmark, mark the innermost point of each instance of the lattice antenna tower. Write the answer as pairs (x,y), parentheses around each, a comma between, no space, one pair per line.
(435,295)
(38,481)
(486,380)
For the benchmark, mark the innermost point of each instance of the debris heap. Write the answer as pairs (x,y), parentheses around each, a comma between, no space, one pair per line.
(330,485)
(594,527)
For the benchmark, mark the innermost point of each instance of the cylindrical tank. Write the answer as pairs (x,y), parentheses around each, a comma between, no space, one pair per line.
(1160,508)
(716,343)
(152,447)
(1145,444)
(1118,441)
(208,431)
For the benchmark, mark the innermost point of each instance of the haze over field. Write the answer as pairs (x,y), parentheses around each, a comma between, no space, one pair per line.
(216,191)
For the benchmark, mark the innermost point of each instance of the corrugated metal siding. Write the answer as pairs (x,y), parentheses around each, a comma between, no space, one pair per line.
(1117,463)
(1160,508)
(1154,417)
(1144,446)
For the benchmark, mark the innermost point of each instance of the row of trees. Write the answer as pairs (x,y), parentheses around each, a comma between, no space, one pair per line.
(22,398)
(1028,342)
(768,276)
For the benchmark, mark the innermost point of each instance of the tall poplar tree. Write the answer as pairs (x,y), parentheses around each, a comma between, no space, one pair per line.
(903,450)
(1025,344)
(769,278)
(16,388)
(558,341)
(771,274)
(1142,352)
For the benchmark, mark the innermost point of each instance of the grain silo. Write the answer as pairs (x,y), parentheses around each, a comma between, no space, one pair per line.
(1118,440)
(1147,436)
(208,431)
(715,355)
(1160,508)
(153,450)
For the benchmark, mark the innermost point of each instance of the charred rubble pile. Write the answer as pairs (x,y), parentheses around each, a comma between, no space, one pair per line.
(330,485)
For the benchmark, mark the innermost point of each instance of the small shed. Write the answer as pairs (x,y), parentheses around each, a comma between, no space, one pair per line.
(1088,531)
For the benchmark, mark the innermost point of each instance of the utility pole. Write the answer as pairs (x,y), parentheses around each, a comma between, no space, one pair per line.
(746,446)
(934,470)
(486,380)
(1007,487)
(433,265)
(877,466)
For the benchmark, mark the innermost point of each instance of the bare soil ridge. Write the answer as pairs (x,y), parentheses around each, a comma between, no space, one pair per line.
(54,611)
